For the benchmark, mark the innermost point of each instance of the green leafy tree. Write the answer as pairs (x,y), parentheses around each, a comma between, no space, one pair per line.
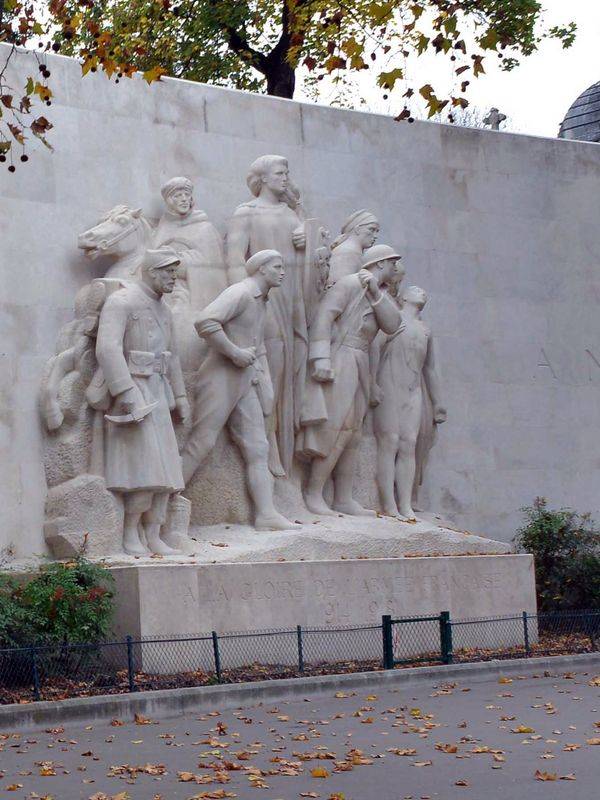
(566,548)
(260,45)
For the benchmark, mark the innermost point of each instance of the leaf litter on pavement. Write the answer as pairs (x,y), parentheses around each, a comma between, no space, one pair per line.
(234,754)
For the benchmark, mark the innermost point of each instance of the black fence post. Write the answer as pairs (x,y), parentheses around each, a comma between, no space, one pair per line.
(217,656)
(300,649)
(130,670)
(526,634)
(445,637)
(594,620)
(35,675)
(388,642)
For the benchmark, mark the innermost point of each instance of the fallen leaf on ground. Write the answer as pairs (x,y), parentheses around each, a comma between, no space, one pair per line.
(461,782)
(545,776)
(592,741)
(140,719)
(319,772)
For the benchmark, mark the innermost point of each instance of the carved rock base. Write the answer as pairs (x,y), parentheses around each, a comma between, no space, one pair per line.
(175,600)
(82,516)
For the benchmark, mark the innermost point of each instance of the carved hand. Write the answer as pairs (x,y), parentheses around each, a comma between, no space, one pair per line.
(439,415)
(129,400)
(375,395)
(299,238)
(322,371)
(183,408)
(369,282)
(243,356)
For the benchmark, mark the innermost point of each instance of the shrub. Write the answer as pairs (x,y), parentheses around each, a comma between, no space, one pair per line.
(566,548)
(64,602)
(14,622)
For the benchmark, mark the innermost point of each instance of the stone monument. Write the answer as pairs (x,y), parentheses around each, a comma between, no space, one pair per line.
(290,348)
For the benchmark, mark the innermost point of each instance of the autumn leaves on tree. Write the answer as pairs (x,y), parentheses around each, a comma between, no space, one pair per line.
(264,45)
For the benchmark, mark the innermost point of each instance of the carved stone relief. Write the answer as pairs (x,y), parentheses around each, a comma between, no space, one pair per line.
(284,340)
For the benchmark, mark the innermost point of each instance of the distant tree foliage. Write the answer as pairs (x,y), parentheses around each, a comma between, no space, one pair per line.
(260,45)
(566,548)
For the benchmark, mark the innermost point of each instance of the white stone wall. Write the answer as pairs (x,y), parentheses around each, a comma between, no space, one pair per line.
(502,230)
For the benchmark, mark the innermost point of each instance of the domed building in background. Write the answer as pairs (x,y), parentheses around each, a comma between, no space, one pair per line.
(582,120)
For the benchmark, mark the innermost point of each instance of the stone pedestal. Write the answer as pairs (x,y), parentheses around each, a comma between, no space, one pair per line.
(165,600)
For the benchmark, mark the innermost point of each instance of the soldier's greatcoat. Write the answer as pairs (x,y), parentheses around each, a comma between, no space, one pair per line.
(135,347)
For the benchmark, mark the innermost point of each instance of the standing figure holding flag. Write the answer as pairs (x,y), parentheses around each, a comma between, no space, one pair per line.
(273,220)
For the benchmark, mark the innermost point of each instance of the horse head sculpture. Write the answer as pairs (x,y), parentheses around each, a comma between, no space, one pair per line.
(123,233)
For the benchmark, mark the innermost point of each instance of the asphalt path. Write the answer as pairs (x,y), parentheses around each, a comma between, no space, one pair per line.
(484,741)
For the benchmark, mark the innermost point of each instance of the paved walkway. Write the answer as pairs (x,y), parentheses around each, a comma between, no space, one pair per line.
(486,741)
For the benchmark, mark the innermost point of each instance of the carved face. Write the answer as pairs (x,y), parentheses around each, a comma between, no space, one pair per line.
(392,271)
(273,272)
(367,234)
(415,296)
(162,279)
(180,202)
(276,178)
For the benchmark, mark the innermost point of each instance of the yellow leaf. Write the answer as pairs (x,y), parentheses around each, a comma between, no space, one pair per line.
(319,772)
(523,729)
(88,64)
(43,92)
(154,74)
(387,80)
(594,741)
(595,681)
(502,679)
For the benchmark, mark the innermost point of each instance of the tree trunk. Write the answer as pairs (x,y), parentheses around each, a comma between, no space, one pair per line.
(281,79)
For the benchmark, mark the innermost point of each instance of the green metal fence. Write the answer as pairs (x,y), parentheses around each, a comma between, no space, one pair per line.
(55,671)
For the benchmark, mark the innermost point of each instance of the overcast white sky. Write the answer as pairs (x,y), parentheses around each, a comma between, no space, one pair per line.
(537,94)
